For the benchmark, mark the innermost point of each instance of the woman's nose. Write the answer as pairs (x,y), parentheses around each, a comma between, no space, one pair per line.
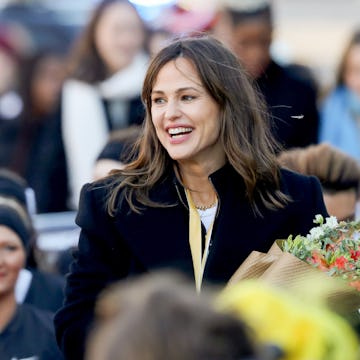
(172,110)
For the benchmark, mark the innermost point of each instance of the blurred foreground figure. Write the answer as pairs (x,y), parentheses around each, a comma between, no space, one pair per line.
(295,319)
(160,317)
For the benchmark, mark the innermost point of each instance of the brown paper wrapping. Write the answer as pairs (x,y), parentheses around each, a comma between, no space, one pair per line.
(284,270)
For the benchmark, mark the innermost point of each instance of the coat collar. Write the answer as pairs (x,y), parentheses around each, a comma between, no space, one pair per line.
(221,179)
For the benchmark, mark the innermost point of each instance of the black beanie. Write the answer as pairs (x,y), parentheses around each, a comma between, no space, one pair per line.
(11,218)
(9,186)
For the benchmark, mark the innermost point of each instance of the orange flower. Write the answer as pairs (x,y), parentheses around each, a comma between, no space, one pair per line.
(340,263)
(319,261)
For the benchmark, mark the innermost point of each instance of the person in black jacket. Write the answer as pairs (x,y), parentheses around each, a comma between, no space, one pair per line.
(34,286)
(289,91)
(37,151)
(204,190)
(25,331)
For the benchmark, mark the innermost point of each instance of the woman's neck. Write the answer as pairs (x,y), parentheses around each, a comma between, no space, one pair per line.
(8,307)
(196,180)
(195,174)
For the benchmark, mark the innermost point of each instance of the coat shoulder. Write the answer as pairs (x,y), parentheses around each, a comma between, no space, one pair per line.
(93,205)
(299,186)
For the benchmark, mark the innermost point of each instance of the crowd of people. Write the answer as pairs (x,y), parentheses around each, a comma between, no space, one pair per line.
(181,151)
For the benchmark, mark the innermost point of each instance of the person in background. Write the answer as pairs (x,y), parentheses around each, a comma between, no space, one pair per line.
(15,187)
(117,151)
(10,101)
(159,316)
(37,151)
(338,172)
(25,331)
(340,110)
(102,93)
(204,190)
(10,104)
(157,39)
(247,27)
(34,286)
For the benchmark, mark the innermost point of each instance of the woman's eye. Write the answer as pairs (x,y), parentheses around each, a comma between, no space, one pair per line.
(188,97)
(158,100)
(11,248)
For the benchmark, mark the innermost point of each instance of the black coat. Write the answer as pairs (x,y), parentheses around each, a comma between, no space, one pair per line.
(292,105)
(113,248)
(45,283)
(37,154)
(29,335)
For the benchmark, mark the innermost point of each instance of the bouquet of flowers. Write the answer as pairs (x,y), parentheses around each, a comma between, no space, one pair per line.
(293,264)
(307,296)
(332,247)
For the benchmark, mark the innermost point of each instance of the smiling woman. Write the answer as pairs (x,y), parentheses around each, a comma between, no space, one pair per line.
(25,331)
(202,192)
(186,117)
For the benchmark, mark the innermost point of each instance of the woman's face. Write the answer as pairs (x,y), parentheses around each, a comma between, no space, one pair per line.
(47,82)
(12,259)
(251,43)
(119,36)
(352,69)
(249,40)
(185,116)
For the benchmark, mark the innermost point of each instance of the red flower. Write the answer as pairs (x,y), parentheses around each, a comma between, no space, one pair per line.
(340,263)
(355,254)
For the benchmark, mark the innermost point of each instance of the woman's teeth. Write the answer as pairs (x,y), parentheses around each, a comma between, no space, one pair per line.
(173,132)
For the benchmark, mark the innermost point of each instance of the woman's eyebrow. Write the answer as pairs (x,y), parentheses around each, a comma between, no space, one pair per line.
(177,90)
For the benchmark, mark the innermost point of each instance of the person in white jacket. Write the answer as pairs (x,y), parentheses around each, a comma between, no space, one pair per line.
(103,91)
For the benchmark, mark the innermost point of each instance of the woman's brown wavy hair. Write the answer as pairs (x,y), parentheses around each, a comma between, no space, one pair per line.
(244,133)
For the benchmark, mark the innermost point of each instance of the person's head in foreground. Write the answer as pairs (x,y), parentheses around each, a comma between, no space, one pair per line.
(338,173)
(159,316)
